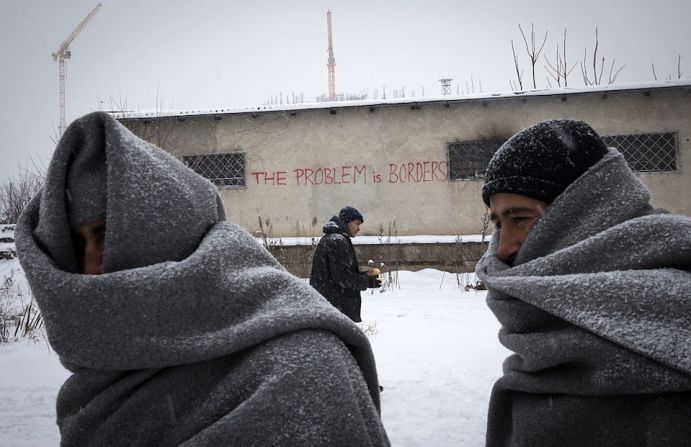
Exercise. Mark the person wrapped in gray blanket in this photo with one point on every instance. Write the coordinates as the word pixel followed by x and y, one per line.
pixel 178 327
pixel 592 287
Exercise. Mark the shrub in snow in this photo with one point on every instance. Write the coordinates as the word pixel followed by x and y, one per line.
pixel 18 320
pixel 368 328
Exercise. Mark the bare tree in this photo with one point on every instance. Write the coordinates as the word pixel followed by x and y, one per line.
pixel 15 194
pixel 596 77
pixel 532 50
pixel 679 67
pixel 559 70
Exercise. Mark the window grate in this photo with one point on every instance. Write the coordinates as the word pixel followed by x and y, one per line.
pixel 647 152
pixel 469 159
pixel 223 170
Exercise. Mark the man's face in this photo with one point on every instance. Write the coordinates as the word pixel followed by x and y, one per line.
pixel 354 227
pixel 515 215
pixel 89 242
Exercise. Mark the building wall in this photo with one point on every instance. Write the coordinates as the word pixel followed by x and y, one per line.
pixel 390 160
pixel 460 257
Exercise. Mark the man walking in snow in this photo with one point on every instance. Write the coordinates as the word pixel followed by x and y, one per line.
pixel 178 327
pixel 335 270
pixel 591 286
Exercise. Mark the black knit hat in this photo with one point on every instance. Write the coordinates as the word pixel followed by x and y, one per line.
pixel 348 214
pixel 543 160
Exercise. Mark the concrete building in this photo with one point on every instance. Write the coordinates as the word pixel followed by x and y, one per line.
pixel 411 166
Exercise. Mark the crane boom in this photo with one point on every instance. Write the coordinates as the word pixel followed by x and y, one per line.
pixel 61 55
pixel 76 31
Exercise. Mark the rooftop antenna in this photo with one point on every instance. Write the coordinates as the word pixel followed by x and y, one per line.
pixel 65 53
pixel 331 64
pixel 446 86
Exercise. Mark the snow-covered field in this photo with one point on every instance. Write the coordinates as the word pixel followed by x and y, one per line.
pixel 437 355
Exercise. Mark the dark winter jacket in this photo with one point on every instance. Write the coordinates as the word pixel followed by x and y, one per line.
pixel 194 335
pixel 335 272
pixel 597 311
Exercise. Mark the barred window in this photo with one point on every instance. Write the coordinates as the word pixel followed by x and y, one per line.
pixel 647 152
pixel 469 159
pixel 224 170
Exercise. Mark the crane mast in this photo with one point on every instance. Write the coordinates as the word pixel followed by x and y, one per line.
pixel 331 64
pixel 63 53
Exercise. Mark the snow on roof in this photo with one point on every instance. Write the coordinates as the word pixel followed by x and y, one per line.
pixel 395 101
pixel 374 240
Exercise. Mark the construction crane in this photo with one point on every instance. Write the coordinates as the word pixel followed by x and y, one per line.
pixel 331 62
pixel 64 53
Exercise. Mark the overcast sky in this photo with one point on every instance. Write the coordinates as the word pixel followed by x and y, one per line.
pixel 182 54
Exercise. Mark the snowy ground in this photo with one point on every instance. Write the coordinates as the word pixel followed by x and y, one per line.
pixel 437 355
pixel 31 376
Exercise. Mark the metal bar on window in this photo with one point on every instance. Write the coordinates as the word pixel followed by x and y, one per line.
pixel 647 152
pixel 224 170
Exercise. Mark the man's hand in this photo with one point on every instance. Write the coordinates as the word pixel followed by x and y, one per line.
pixel 373 282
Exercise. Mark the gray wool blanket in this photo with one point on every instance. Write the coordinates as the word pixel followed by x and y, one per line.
pixel 194 335
pixel 597 310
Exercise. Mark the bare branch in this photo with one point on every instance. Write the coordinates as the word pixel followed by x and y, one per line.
pixel 544 41
pixel 519 72
pixel 568 72
pixel 597 43
pixel 584 69
pixel 612 74
pixel 533 52
pixel 552 71
pixel 654 74
pixel 602 68
pixel 527 49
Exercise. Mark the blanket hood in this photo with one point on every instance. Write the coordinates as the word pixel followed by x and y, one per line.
pixel 604 261
pixel 157 209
